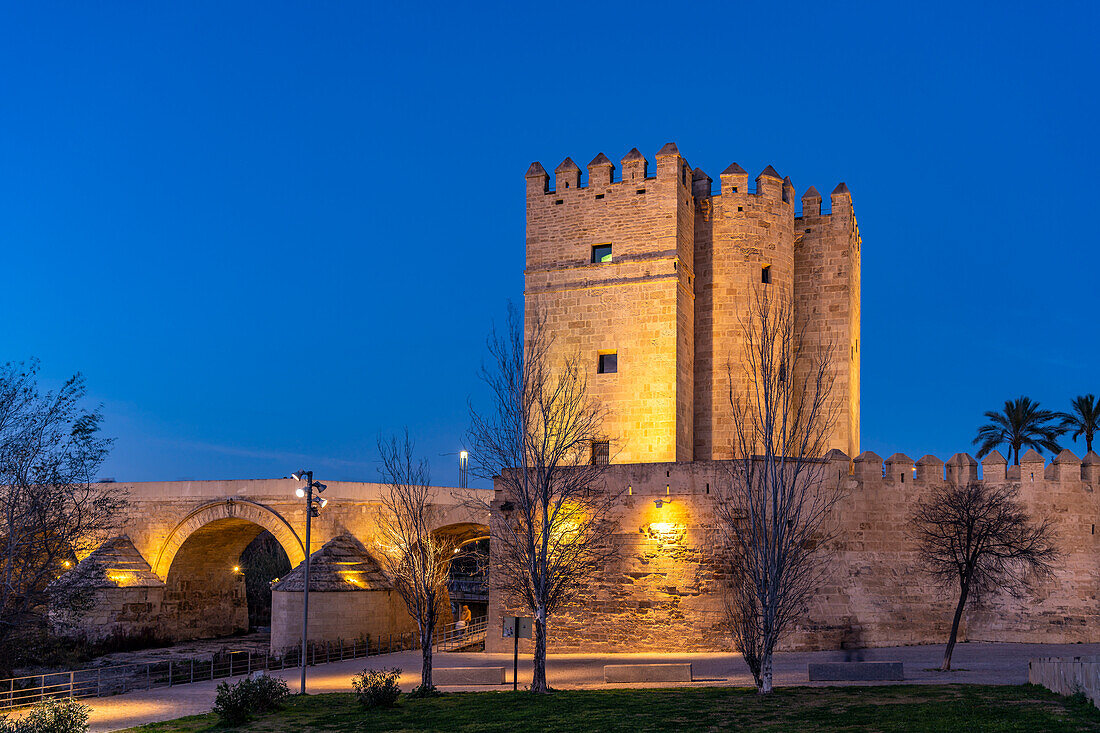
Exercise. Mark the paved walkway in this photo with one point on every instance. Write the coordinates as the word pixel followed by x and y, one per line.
pixel 998 664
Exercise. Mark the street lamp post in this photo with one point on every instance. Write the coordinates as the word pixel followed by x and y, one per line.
pixel 463 468
pixel 313 507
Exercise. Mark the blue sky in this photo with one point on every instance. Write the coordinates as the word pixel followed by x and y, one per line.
pixel 267 232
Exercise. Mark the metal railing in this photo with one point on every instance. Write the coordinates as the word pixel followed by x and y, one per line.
pixel 115 680
pixel 452 637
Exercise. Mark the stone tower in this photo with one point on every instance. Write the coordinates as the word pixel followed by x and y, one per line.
pixel 647 274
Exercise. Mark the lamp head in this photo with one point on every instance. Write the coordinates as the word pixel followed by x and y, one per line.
pixel 300 475
pixel 300 493
pixel 319 486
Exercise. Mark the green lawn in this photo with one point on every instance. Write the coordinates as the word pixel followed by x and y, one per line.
pixel 802 709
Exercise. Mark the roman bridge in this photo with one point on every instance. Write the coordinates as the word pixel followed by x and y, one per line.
pixel 174 572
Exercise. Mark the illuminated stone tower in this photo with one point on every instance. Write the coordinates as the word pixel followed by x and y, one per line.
pixel 646 275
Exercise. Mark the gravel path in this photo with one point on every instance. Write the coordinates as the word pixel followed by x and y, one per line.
pixel 999 664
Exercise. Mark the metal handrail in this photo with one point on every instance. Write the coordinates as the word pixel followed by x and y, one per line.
pixel 117 679
pixel 452 636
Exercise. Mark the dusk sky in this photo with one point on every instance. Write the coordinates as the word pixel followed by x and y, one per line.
pixel 269 232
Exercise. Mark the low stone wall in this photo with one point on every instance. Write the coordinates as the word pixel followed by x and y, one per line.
pixel 1067 675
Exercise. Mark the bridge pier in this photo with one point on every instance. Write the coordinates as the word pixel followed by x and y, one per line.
pixel 349 598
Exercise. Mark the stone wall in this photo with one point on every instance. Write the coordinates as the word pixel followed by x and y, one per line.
pixel 685 265
pixel 663 593
pixel 337 615
pixel 1067 675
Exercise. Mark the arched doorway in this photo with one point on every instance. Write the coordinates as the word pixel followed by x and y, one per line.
pixel 467 582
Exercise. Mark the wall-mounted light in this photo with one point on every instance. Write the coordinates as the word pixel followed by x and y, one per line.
pixel 237 569
pixel 661 502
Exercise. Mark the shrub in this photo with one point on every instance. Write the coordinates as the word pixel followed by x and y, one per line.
pixel 259 693
pixel 50 716
pixel 377 688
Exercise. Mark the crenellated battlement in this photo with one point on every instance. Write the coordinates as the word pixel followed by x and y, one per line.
pixel 1064 468
pixel 603 179
pixel 669 167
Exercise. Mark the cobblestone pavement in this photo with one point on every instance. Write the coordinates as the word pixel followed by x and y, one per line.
pixel 977 663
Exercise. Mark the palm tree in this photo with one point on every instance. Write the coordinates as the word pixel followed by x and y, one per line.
pixel 1021 425
pixel 1084 420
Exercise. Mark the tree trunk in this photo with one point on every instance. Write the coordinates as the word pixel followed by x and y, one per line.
pixel 426 669
pixel 946 666
pixel 538 677
pixel 765 685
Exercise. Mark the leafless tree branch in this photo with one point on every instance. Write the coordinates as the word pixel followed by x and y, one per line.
pixel 979 539
pixel 51 511
pixel 551 529
pixel 415 558
pixel 774 511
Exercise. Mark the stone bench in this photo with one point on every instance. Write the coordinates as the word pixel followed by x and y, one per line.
pixel 468 675
pixel 855 671
pixel 647 673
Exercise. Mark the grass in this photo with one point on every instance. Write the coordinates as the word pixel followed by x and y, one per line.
pixel 936 708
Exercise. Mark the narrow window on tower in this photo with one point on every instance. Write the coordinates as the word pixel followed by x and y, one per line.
pixel 601 253
pixel 766 274
pixel 608 363
pixel 601 453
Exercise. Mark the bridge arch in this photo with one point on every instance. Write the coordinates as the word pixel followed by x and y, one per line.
pixel 229 509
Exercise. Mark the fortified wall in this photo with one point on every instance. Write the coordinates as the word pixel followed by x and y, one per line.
pixel 664 591
pixel 647 274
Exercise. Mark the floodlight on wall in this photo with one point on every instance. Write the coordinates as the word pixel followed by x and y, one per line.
pixel 661 502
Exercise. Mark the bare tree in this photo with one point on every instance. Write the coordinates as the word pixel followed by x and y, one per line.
pixel 980 539
pixel 414 558
pixel 51 512
pixel 773 511
pixel 552 531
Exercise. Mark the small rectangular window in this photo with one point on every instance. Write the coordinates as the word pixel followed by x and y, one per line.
pixel 601 253
pixel 734 189
pixel 766 274
pixel 608 363
pixel 601 452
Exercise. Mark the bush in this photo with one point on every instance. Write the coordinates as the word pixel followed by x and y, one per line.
pixel 50 716
pixel 377 688
pixel 259 693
